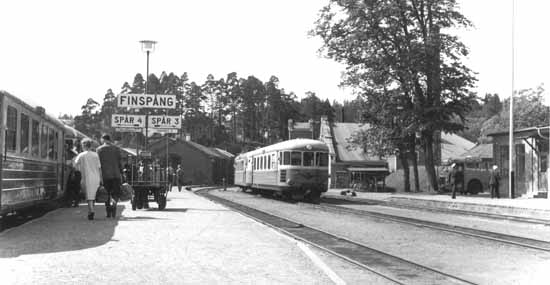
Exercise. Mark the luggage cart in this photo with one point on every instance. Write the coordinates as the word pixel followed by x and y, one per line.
pixel 149 182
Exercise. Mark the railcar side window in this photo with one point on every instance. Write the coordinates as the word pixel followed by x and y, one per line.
pixel 25 128
pixel 308 158
pixel 11 130
pixel 286 158
pixel 51 144
pixel 35 137
pixel 268 162
pixel 55 150
pixel 44 142
pixel 296 158
pixel 321 159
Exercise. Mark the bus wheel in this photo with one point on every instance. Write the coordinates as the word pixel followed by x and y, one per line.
pixel 475 187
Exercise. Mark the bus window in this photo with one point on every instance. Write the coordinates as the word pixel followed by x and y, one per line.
pixel 296 158
pixel 321 159
pixel 44 142
pixel 286 158
pixel 308 158
pixel 24 144
pixel 11 129
pixel 35 137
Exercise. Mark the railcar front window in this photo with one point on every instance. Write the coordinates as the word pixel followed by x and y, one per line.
pixel 296 158
pixel 35 137
pixel 321 159
pixel 25 133
pixel 286 158
pixel 11 131
pixel 309 158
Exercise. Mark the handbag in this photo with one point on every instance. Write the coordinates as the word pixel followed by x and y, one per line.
pixel 126 192
pixel 101 195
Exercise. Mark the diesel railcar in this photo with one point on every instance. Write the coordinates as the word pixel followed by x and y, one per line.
pixel 295 169
pixel 33 166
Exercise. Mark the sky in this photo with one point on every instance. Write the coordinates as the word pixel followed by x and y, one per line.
pixel 59 53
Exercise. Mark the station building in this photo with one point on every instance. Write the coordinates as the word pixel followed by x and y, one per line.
pixel 530 161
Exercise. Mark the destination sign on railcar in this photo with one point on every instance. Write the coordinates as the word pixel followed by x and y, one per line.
pixel 146 101
pixel 127 121
pixel 164 122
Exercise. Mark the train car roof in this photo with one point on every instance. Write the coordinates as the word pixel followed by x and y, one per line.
pixel 29 104
pixel 297 144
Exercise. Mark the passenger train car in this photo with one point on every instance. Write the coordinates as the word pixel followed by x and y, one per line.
pixel 294 169
pixel 33 144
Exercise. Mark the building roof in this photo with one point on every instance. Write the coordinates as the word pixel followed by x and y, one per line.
pixel 525 131
pixel 453 146
pixel 224 152
pixel 345 151
pixel 209 151
pixel 482 151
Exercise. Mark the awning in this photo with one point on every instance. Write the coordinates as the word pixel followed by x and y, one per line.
pixel 367 169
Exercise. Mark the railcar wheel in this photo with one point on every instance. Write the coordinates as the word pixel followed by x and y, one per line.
pixel 475 187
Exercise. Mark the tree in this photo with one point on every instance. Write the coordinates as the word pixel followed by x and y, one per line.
pixel 401 49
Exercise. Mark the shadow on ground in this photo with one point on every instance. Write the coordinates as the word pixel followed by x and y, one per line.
pixel 66 229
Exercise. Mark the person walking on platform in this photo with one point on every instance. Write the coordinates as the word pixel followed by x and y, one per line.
pixel 494 182
pixel 111 167
pixel 87 162
pixel 179 177
pixel 456 179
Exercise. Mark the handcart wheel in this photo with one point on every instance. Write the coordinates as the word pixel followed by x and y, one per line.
pixel 162 202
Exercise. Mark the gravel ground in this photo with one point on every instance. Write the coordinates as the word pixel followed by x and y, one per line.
pixel 509 227
pixel 477 260
pixel 193 241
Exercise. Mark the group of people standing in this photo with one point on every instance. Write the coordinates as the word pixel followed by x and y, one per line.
pixel 101 167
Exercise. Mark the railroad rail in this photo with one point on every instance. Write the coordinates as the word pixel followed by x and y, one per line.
pixel 488 235
pixel 388 266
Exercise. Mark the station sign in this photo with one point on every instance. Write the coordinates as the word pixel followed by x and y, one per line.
pixel 164 122
pixel 127 121
pixel 146 101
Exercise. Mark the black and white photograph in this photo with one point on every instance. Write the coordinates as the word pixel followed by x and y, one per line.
pixel 274 142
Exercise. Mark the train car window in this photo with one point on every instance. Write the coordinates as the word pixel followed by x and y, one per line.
pixel 296 158
pixel 35 137
pixel 286 158
pixel 309 158
pixel 51 145
pixel 265 162
pixel 44 142
pixel 321 159
pixel 11 128
pixel 25 134
pixel 268 162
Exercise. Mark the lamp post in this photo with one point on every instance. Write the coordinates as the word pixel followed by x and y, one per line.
pixel 148 47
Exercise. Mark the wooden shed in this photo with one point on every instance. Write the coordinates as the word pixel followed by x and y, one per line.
pixel 201 165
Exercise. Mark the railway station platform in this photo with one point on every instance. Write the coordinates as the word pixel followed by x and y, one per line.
pixel 521 208
pixel 192 241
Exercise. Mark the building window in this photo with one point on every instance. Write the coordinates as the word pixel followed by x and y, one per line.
pixel 520 160
pixel 543 162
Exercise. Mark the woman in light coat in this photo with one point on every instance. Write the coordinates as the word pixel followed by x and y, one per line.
pixel 87 162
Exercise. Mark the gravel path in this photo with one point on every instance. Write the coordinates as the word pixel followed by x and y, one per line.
pixel 193 241
pixel 480 261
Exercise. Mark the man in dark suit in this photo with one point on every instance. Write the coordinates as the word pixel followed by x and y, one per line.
pixel 111 168
pixel 494 182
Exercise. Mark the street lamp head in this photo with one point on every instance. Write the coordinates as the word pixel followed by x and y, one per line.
pixel 148 46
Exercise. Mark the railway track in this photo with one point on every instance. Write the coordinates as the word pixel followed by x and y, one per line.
pixel 499 237
pixel 388 266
